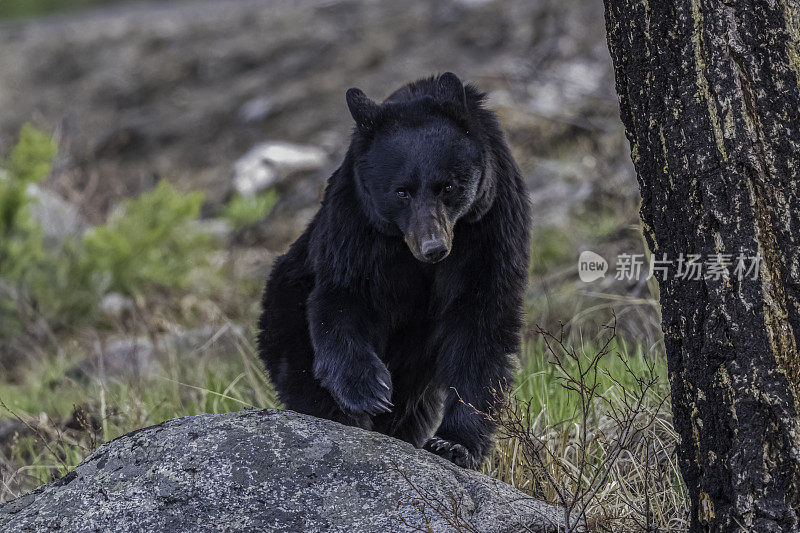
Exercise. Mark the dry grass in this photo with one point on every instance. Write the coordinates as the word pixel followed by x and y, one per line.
pixel 643 491
pixel 609 457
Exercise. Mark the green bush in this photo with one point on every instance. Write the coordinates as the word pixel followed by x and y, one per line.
pixel 22 254
pixel 243 211
pixel 20 239
pixel 31 159
pixel 151 242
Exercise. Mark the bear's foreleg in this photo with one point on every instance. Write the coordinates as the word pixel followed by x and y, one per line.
pixel 346 333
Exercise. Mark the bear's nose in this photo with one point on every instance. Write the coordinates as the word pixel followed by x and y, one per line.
pixel 434 250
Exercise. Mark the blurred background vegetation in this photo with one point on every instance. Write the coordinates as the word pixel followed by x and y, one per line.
pixel 155 157
pixel 31 8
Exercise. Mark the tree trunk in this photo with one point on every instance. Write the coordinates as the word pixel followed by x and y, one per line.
pixel 709 94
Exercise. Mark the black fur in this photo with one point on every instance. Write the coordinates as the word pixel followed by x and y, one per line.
pixel 400 305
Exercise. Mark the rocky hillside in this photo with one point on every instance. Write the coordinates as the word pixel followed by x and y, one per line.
pixel 182 90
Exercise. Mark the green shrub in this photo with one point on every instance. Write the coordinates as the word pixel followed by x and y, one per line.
pixel 22 253
pixel 32 158
pixel 151 242
pixel 20 239
pixel 37 283
pixel 244 211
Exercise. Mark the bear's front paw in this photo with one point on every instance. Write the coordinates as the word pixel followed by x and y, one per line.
pixel 363 388
pixel 452 451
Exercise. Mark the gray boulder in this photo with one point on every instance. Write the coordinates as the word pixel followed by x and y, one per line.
pixel 269 470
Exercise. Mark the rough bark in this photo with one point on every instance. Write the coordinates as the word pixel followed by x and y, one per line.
pixel 709 94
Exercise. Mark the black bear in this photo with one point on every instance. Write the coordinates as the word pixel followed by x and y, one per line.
pixel 399 307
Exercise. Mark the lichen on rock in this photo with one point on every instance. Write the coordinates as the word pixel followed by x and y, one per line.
pixel 267 470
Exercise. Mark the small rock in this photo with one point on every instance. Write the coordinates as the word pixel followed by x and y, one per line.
pixel 59 219
pixel 139 357
pixel 272 162
pixel 219 228
pixel 187 341
pixel 11 427
pixel 115 304
pixel 255 109
pixel 122 358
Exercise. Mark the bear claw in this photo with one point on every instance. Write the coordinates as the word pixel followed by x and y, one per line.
pixel 452 451
pixel 366 393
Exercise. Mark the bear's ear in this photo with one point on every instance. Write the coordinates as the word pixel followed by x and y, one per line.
pixel 450 89
pixel 363 109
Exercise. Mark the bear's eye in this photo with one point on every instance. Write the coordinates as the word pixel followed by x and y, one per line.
pixel 402 193
pixel 448 188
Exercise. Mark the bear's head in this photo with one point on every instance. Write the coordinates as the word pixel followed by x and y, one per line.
pixel 419 162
